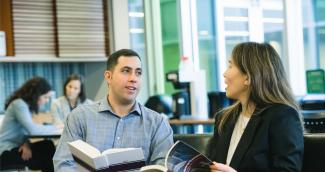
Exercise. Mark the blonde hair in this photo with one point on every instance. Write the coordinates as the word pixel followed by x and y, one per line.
pixel 268 80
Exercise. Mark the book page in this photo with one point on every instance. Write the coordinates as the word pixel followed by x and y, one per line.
pixel 87 154
pixel 116 150
pixel 154 168
pixel 84 148
pixel 183 157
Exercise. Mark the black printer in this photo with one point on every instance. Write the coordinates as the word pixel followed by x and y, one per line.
pixel 313 111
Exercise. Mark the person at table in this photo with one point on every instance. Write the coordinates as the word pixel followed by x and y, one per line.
pixel 74 95
pixel 117 120
pixel 262 130
pixel 15 149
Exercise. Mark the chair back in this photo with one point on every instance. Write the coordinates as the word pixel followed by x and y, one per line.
pixel 314 154
pixel 314 151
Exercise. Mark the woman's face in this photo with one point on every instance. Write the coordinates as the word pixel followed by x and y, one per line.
pixel 44 98
pixel 72 89
pixel 236 82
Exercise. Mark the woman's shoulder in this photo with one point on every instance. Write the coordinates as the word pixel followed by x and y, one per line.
pixel 87 101
pixel 278 110
pixel 18 103
pixel 278 107
pixel 58 99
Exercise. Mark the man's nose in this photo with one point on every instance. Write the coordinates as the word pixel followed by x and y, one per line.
pixel 133 77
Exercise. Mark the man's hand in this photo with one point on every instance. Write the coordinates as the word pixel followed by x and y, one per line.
pixel 218 167
pixel 26 152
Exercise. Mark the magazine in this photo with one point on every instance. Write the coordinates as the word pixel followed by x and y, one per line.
pixel 89 158
pixel 181 157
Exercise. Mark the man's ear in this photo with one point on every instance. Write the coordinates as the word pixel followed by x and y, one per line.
pixel 108 75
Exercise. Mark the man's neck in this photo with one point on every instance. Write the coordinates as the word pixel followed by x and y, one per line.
pixel 119 109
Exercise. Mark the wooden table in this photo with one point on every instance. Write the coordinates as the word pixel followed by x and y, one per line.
pixel 191 122
pixel 196 123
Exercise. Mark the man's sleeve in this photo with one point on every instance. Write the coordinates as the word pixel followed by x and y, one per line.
pixel 63 161
pixel 162 141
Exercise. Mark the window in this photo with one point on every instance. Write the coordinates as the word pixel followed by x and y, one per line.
pixel 314 33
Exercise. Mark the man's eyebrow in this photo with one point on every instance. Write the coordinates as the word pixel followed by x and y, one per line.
pixel 128 67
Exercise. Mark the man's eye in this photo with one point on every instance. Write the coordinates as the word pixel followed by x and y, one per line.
pixel 139 73
pixel 125 71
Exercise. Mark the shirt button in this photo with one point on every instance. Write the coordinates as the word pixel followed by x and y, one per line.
pixel 118 138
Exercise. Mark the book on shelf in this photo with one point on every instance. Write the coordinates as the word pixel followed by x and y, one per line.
pixel 181 157
pixel 89 158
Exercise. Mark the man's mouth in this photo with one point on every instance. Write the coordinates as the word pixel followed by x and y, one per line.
pixel 131 88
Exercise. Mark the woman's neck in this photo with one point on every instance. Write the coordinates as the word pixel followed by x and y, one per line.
pixel 247 108
pixel 72 102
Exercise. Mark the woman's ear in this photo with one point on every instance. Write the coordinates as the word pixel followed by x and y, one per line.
pixel 247 80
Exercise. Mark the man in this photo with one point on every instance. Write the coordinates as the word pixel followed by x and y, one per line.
pixel 118 120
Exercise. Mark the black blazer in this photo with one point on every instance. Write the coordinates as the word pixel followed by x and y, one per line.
pixel 272 141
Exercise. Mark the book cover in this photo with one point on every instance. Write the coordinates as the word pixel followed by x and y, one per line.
pixel 88 158
pixel 181 157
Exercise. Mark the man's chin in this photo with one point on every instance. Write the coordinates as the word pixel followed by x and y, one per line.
pixel 128 101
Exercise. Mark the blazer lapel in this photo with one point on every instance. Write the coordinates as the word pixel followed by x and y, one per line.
pixel 245 141
pixel 224 141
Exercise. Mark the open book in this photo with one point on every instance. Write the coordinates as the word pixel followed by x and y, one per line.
pixel 181 157
pixel 89 158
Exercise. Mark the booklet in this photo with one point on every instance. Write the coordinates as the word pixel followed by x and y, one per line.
pixel 181 157
pixel 89 158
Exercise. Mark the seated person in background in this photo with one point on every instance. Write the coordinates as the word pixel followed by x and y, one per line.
pixel 15 148
pixel 262 131
pixel 118 120
pixel 74 95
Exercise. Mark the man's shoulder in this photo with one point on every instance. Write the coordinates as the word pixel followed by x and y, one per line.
pixel 151 114
pixel 89 108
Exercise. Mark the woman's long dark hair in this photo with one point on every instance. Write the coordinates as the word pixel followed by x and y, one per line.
pixel 82 94
pixel 30 92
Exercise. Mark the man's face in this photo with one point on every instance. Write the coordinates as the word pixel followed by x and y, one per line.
pixel 124 80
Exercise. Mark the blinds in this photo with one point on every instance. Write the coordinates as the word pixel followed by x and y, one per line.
pixel 74 28
pixel 80 25
pixel 33 27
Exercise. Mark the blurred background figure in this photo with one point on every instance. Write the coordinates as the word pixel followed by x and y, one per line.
pixel 15 148
pixel 74 95
pixel 161 104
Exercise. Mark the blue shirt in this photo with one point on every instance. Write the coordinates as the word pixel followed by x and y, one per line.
pixel 60 108
pixel 97 125
pixel 18 123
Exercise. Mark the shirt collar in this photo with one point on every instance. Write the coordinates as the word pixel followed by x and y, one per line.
pixel 105 106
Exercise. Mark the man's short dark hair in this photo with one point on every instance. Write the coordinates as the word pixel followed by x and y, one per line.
pixel 113 58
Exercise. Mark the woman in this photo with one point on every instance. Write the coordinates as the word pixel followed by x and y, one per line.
pixel 262 130
pixel 15 148
pixel 74 94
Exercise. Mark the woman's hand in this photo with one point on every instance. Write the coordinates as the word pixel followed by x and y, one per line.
pixel 59 125
pixel 26 152
pixel 218 167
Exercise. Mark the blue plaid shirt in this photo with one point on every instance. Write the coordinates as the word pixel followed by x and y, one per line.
pixel 97 124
